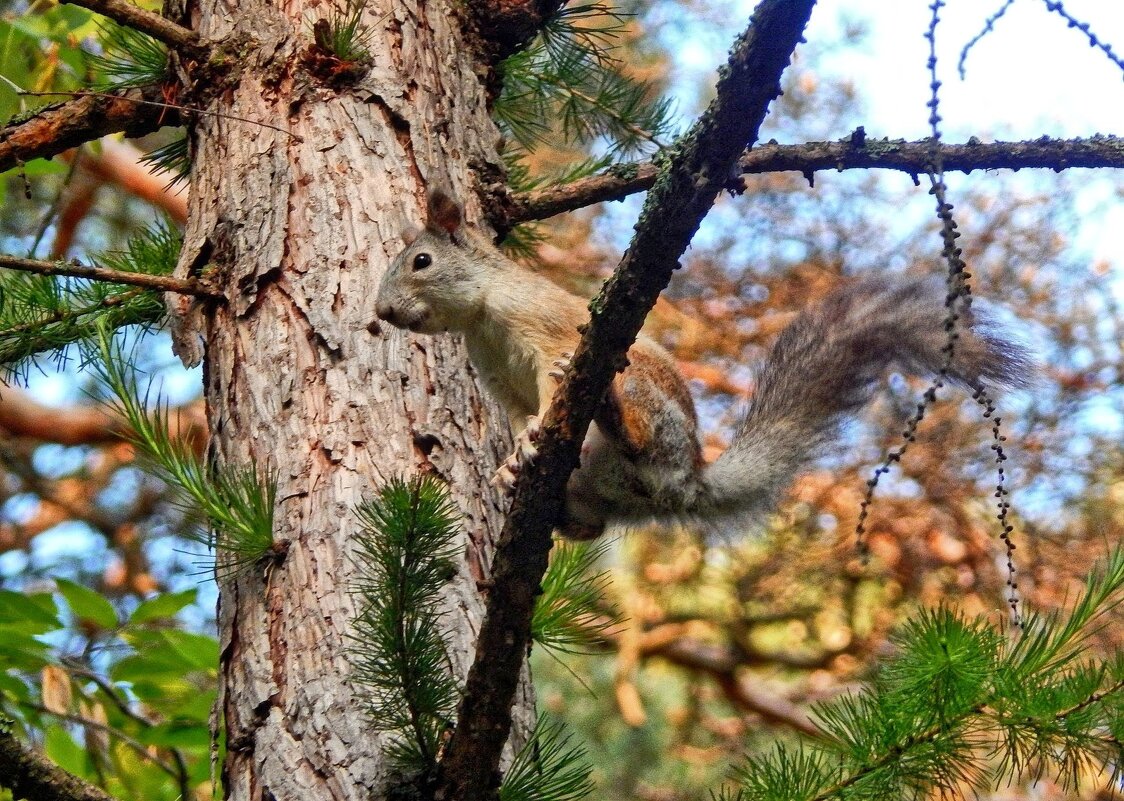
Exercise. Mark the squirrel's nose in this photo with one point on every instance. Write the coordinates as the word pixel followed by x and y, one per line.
pixel 385 311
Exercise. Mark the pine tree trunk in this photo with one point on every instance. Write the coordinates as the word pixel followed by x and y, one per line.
pixel 300 233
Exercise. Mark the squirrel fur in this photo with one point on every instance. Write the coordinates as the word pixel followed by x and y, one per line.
pixel 641 459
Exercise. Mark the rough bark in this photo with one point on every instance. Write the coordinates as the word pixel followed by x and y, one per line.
pixel 299 231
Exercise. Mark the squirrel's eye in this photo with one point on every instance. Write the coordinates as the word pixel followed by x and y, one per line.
pixel 422 260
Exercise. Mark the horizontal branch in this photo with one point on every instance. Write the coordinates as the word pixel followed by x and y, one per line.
pixel 158 27
pixel 31 775
pixel 48 131
pixel 723 665
pixel 160 283
pixel 856 152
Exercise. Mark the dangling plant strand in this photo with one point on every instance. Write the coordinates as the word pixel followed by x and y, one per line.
pixel 569 615
pixel 44 313
pixel 548 768
pixel 238 502
pixel 405 547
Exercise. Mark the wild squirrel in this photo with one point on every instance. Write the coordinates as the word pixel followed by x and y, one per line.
pixel 641 460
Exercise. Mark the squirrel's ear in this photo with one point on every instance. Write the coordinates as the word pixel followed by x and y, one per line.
pixel 444 212
pixel 411 234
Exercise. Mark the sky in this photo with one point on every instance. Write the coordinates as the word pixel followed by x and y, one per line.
pixel 1030 76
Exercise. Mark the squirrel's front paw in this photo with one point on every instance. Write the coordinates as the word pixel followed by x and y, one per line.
pixel 560 365
pixel 524 453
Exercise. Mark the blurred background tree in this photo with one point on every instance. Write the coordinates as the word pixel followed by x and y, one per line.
pixel 722 643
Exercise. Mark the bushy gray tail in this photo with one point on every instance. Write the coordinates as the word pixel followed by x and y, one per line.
pixel 825 365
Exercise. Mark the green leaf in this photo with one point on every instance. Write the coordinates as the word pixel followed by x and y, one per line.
pixel 177 734
pixel 38 612
pixel 65 752
pixel 198 651
pixel 162 606
pixel 87 605
pixel 166 653
pixel 12 687
pixel 21 651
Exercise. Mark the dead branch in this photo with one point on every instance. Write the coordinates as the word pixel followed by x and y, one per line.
pixel 159 283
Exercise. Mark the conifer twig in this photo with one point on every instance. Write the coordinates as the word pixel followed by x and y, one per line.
pixel 160 283
pixel 697 169
pixel 158 27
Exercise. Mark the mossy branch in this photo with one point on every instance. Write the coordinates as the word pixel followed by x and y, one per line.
pixel 697 168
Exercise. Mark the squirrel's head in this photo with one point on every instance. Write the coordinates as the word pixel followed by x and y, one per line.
pixel 435 284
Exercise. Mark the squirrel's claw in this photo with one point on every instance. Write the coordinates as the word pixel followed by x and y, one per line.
pixel 524 453
pixel 560 365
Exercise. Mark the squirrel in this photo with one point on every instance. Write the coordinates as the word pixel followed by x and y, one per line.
pixel 641 460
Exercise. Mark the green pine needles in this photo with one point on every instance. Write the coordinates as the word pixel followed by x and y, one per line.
pixel 46 313
pixel 238 502
pixel 569 79
pixel 548 768
pixel 129 59
pixel 173 158
pixel 342 32
pixel 570 616
pixel 963 707
pixel 406 548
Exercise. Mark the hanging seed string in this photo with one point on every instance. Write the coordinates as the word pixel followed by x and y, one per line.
pixel 958 294
pixel 1073 22
pixel 989 26
pixel 958 302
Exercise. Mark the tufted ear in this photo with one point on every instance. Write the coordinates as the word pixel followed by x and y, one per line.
pixel 411 234
pixel 445 214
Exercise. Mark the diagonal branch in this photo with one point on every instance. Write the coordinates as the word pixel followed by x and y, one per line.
pixel 31 775
pixel 160 283
pixel 50 130
pixel 698 166
pixel 855 152
pixel 160 28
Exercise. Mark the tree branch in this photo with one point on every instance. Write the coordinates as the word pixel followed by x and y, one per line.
pixel 160 283
pixel 698 167
pixel 160 28
pixel 722 665
pixel 852 153
pixel 30 775
pixel 52 129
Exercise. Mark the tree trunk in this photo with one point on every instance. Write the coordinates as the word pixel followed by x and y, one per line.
pixel 300 233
